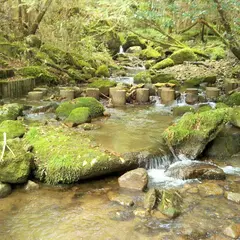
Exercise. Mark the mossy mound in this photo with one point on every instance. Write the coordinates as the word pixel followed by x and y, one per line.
pixel 133 40
pixel 235 118
pixel 15 168
pixel 233 99
pixel 192 132
pixel 102 71
pixel 195 82
pixel 180 110
pixel 216 53
pixel 204 108
pixel 221 105
pixel 10 111
pixel 162 77
pixel 41 74
pixel 168 62
pixel 182 55
pixel 142 77
pixel 102 83
pixel 96 109
pixel 65 156
pixel 33 41
pixel 78 116
pixel 149 53
pixel 12 129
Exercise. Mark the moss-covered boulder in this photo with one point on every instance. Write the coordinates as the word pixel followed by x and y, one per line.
pixel 15 165
pixel 95 107
pixel 33 41
pixel 10 111
pixel 162 77
pixel 216 53
pixel 233 99
pixel 78 116
pixel 170 204
pixel 67 156
pixel 142 77
pixel 168 62
pixel 221 105
pixel 133 40
pixel 149 53
pixel 191 134
pixel 204 108
pixel 41 74
pixel 5 189
pixel 196 81
pixel 235 118
pixel 102 71
pixel 180 110
pixel 12 129
pixel 103 85
pixel 182 55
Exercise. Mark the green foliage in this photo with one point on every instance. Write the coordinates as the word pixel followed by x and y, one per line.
pixel 100 83
pixel 204 108
pixel 233 99
pixel 142 77
pixel 102 71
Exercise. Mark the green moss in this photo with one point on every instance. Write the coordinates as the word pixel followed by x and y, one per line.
pixel 11 49
pixel 12 128
pixel 221 105
pixel 162 77
pixel 182 55
pixel 78 76
pixel 65 156
pixel 57 55
pixel 78 116
pixel 216 53
pixel 10 111
pixel 235 118
pixel 195 82
pixel 95 107
pixel 142 77
pixel 180 110
pixel 149 53
pixel 102 71
pixel 233 99
pixel 133 40
pixel 204 108
pixel 100 83
pixel 199 124
pixel 176 82
pixel 168 62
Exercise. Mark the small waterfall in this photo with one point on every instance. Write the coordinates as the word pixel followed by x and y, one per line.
pixel 121 51
pixel 182 100
pixel 159 162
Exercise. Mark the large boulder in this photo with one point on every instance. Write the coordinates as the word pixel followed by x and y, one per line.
pixel 194 169
pixel 191 134
pixel 66 156
pixel 15 165
pixel 185 54
pixel 136 179
pixel 5 189
pixel 168 62
pixel 133 40
pixel 78 116
pixel 12 129
pixel 149 53
pixel 10 111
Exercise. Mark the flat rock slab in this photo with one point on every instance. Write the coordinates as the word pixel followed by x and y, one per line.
pixel 210 189
pixel 234 197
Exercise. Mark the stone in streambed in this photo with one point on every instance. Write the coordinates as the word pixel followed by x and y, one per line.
pixel 5 189
pixel 234 197
pixel 31 186
pixel 123 200
pixel 210 189
pixel 136 179
pixel 233 231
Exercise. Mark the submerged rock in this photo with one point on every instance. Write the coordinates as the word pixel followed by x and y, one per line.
pixel 15 165
pixel 30 186
pixel 122 199
pixel 235 197
pixel 191 134
pixel 194 169
pixel 136 179
pixel 5 189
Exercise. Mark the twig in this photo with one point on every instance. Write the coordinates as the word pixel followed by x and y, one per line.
pixel 4 146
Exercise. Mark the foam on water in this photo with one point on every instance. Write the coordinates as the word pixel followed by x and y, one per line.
pixel 231 170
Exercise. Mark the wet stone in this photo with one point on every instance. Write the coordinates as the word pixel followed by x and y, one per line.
pixel 232 231
pixel 142 213
pixel 210 189
pixel 150 199
pixel 234 197
pixel 123 200
pixel 31 186
pixel 5 189
pixel 121 215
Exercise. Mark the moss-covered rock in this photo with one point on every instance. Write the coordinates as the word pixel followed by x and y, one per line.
pixel 235 118
pixel 221 105
pixel 12 129
pixel 196 81
pixel 168 62
pixel 102 71
pixel 182 55
pixel 41 74
pixel 149 53
pixel 162 77
pixel 95 107
pixel 204 108
pixel 233 99
pixel 180 110
pixel 33 41
pixel 78 116
pixel 190 135
pixel 5 189
pixel 10 111
pixel 170 204
pixel 133 40
pixel 65 156
pixel 103 85
pixel 15 165
pixel 142 77
pixel 216 53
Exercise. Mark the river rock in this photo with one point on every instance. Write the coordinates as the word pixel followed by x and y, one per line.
pixel 170 204
pixel 191 134
pixel 5 189
pixel 30 186
pixel 233 231
pixel 142 213
pixel 235 197
pixel 136 179
pixel 122 199
pixel 10 111
pixel 210 189
pixel 121 215
pixel 194 169
pixel 15 165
